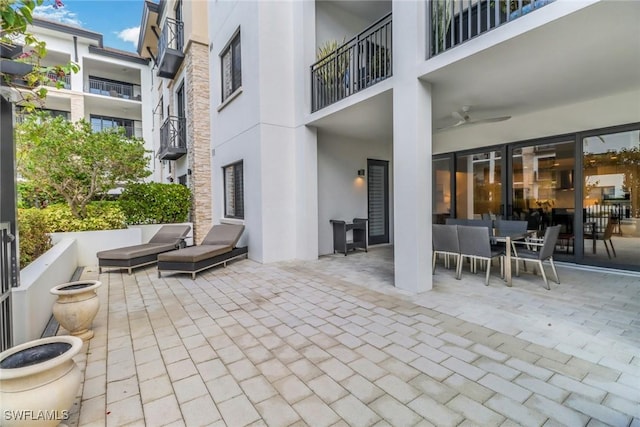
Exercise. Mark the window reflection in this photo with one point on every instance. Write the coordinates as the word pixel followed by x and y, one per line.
pixel 543 188
pixel 478 185
pixel 442 190
pixel 612 196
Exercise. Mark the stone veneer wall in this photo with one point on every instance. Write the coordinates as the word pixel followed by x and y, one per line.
pixel 77 107
pixel 199 137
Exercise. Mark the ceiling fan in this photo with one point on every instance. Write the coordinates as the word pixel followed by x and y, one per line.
pixel 464 119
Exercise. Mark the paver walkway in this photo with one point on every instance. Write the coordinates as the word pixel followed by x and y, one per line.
pixel 332 342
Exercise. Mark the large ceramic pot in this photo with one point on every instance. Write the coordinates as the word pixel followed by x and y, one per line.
pixel 39 381
pixel 77 306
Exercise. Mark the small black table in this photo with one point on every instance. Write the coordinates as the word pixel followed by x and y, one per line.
pixel 359 229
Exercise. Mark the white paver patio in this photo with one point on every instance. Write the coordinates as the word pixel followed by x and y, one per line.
pixel 332 342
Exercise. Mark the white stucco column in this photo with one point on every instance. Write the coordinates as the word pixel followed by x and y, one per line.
pixel 412 148
pixel 306 193
pixel 306 139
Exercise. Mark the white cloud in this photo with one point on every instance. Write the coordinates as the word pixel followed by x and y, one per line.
pixel 129 35
pixel 60 14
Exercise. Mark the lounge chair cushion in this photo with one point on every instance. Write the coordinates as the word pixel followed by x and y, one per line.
pixel 170 234
pixel 136 251
pixel 194 254
pixel 224 234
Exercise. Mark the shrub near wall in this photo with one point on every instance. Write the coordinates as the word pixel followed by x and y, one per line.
pixel 100 216
pixel 34 240
pixel 34 225
pixel 155 203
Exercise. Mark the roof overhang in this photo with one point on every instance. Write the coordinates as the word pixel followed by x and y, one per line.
pixel 148 38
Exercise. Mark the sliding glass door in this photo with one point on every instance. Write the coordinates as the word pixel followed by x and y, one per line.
pixel 479 185
pixel 611 199
pixel 588 183
pixel 542 189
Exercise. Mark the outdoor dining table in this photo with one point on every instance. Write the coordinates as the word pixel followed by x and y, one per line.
pixel 507 239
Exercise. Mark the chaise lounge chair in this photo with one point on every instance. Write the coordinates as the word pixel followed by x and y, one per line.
pixel 167 238
pixel 218 247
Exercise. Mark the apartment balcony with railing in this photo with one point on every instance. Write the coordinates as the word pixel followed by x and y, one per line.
pixel 55 78
pixel 113 89
pixel 170 48
pixel 173 138
pixel 454 22
pixel 361 62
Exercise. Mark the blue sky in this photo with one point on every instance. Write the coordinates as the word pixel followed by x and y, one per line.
pixel 117 20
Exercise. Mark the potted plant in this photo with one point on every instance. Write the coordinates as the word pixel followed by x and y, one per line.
pixel 77 306
pixel 331 68
pixel 39 381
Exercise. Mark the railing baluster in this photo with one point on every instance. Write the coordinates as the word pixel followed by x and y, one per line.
pixel 468 19
pixel 452 22
pixel 478 10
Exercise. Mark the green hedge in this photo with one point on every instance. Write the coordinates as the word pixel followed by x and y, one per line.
pixel 100 216
pixel 35 224
pixel 34 240
pixel 155 203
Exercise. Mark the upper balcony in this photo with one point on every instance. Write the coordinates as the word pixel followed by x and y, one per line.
pixel 173 138
pixel 54 79
pixel 356 65
pixel 115 89
pixel 454 22
pixel 170 45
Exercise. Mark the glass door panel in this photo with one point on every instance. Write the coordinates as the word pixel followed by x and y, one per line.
pixel 442 190
pixel 612 199
pixel 543 191
pixel 479 185
pixel 378 201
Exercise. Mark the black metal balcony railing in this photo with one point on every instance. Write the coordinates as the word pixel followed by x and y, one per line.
pixel 455 21
pixel 6 267
pixel 114 89
pixel 356 65
pixel 54 78
pixel 170 45
pixel 173 138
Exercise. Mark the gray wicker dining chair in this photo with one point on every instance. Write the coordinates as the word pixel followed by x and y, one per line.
pixel 445 242
pixel 475 244
pixel 540 252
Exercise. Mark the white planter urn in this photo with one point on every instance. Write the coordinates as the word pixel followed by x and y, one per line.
pixel 77 306
pixel 39 381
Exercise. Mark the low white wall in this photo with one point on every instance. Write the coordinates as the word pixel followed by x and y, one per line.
pixel 31 301
pixel 91 242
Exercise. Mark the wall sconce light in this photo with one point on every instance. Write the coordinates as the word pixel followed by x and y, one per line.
pixel 188 171
pixel 360 172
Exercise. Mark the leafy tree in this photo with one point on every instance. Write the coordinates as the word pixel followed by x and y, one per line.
pixel 67 159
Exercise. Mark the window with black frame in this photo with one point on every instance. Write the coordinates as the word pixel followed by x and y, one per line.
pixel 231 67
pixel 98 123
pixel 234 190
